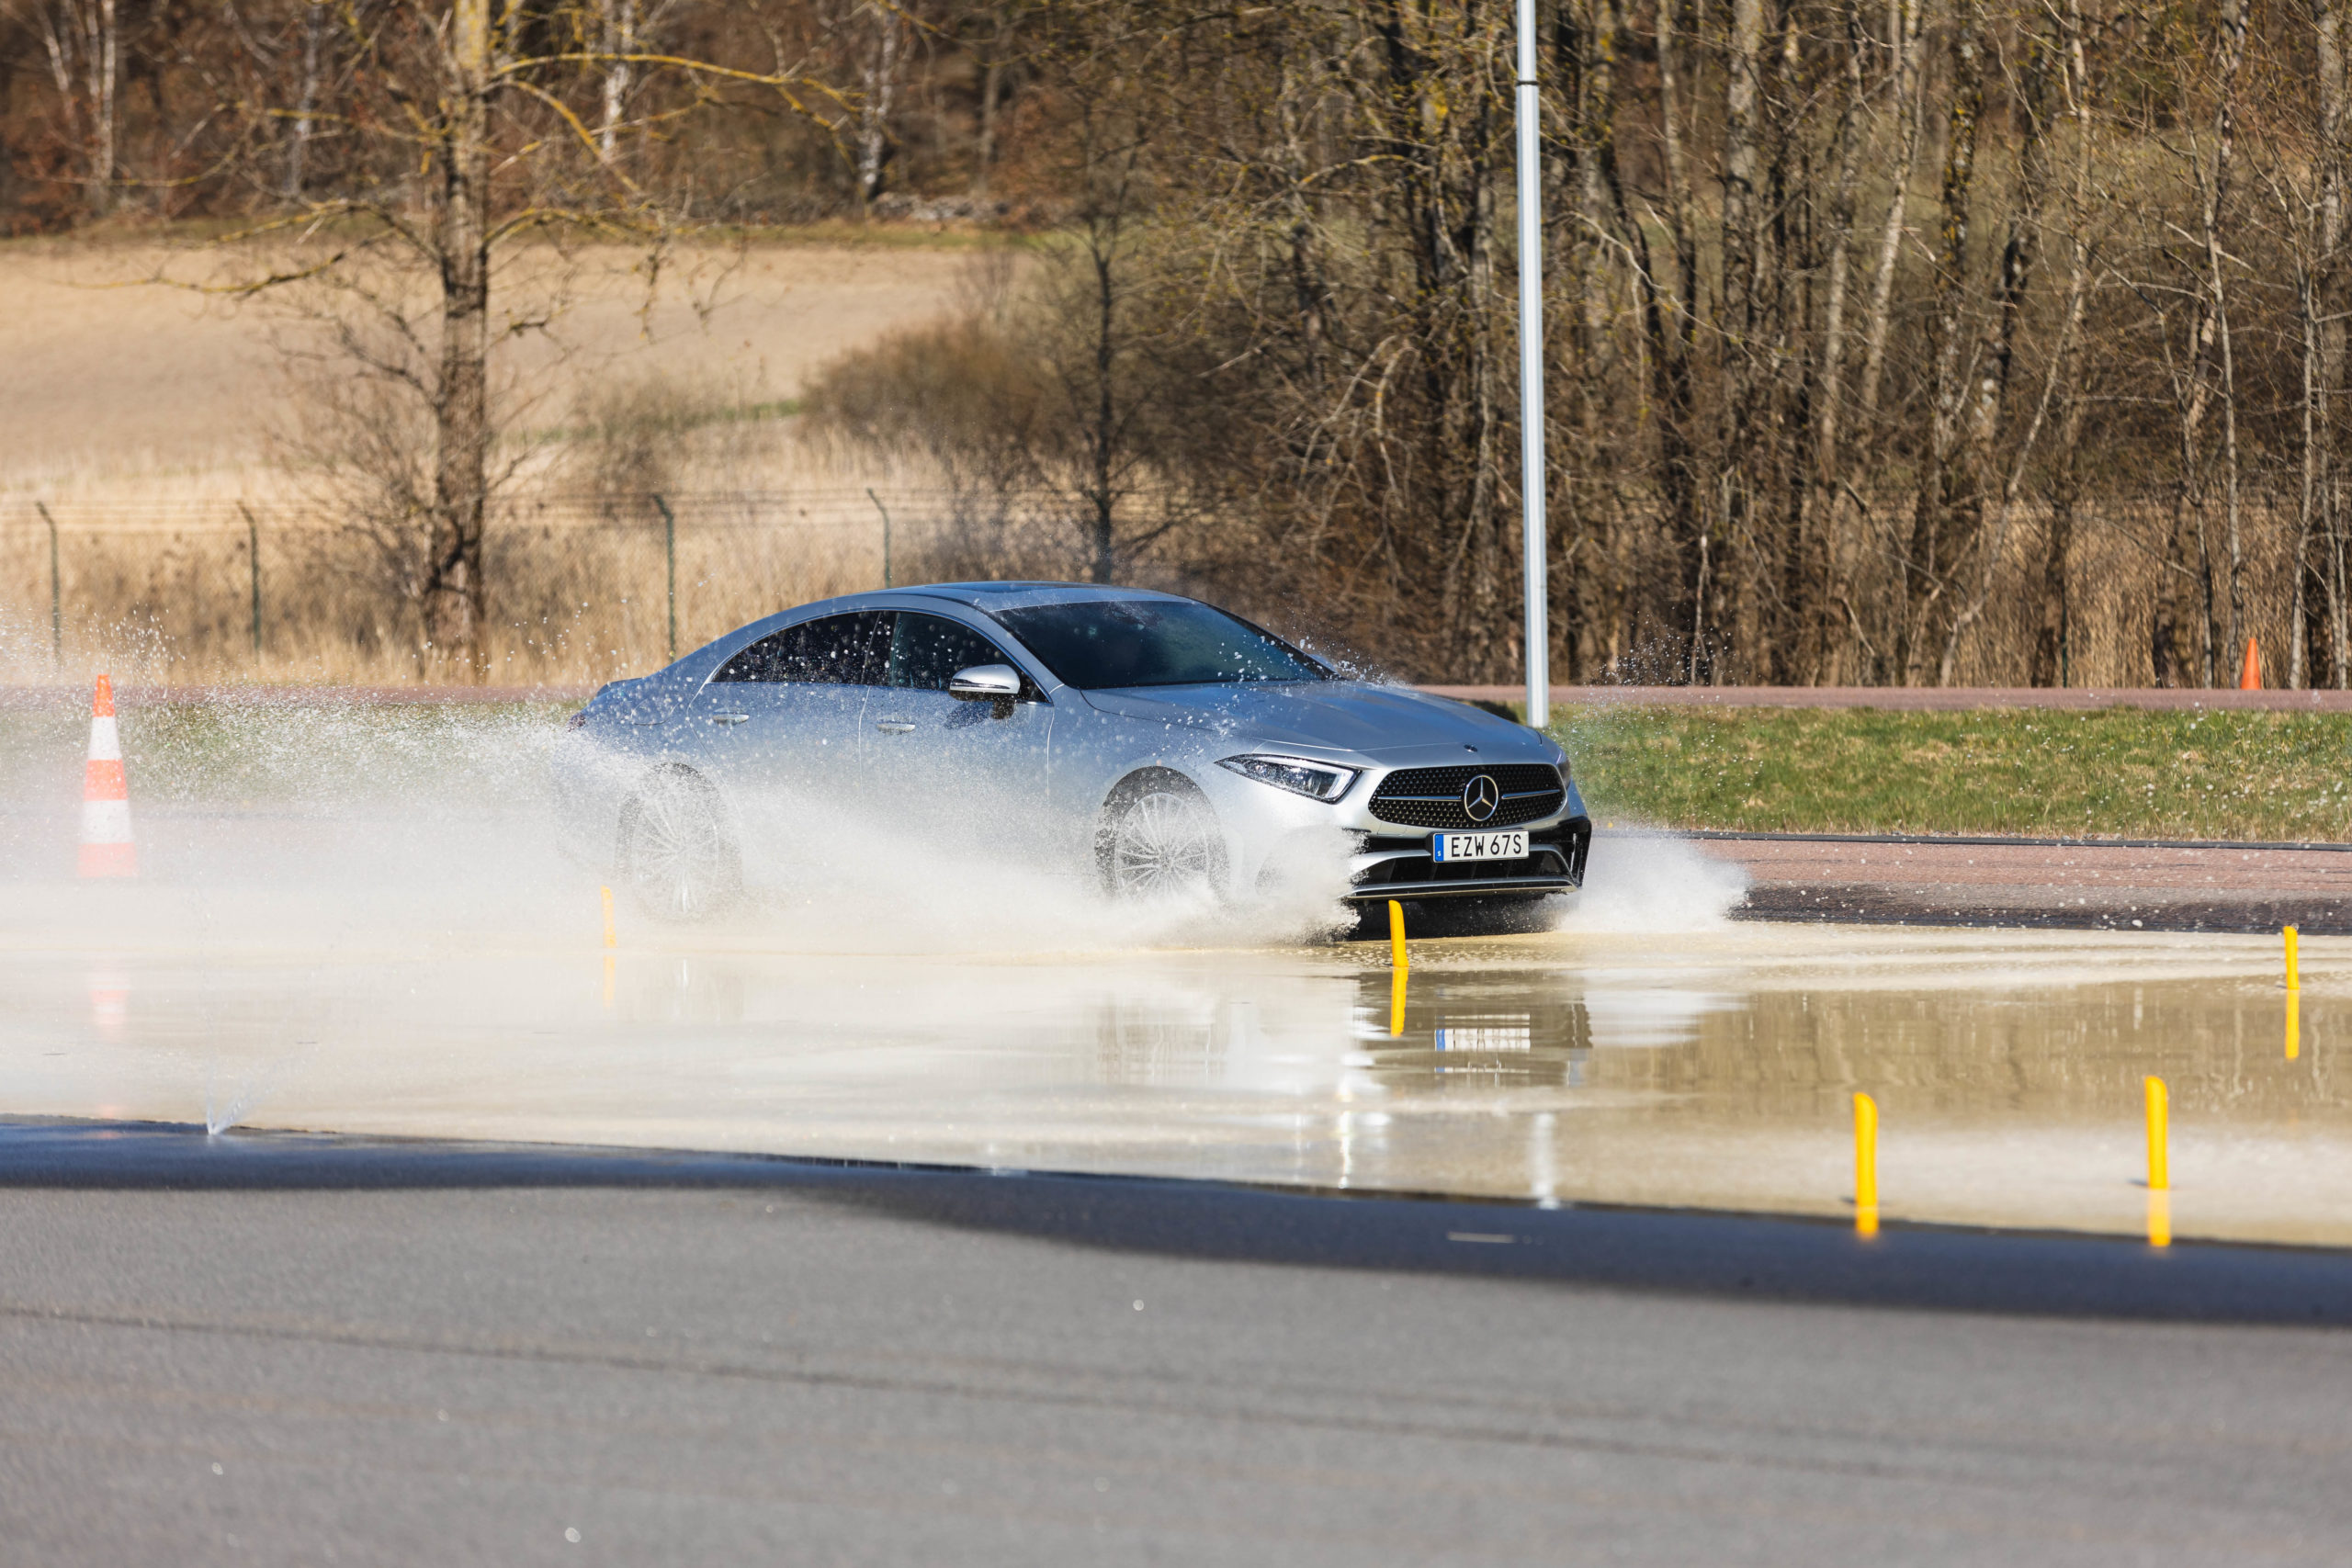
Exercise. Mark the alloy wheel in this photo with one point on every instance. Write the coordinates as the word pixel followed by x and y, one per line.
pixel 679 859
pixel 1164 847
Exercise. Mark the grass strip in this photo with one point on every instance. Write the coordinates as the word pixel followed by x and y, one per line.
pixel 2115 773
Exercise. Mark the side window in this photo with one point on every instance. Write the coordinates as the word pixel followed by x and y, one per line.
pixel 927 649
pixel 838 651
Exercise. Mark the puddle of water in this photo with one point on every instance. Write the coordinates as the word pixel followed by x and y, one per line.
pixel 358 920
pixel 1707 1068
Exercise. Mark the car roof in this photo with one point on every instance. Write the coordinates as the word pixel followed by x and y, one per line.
pixel 993 596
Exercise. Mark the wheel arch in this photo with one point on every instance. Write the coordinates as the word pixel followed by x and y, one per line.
pixel 672 770
pixel 1142 779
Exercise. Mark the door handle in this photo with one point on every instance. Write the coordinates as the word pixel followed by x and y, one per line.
pixel 895 727
pixel 728 717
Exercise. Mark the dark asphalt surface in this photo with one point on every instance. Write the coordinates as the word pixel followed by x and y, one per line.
pixel 882 1368
pixel 2084 884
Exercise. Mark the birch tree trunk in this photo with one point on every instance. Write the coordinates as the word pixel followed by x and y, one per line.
pixel 2307 505
pixel 2232 29
pixel 620 22
pixel 993 72
pixel 2206 370
pixel 2324 383
pixel 881 78
pixel 1674 349
pixel 314 27
pixel 1905 19
pixel 2056 605
pixel 83 48
pixel 1738 324
pixel 1839 250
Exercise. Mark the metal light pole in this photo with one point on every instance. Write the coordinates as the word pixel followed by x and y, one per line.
pixel 252 571
pixel 1531 375
pixel 56 596
pixel 670 553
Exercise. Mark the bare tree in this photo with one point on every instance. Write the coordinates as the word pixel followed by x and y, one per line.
pixel 878 71
pixel 1945 475
pixel 81 42
pixel 2053 624
pixel 469 133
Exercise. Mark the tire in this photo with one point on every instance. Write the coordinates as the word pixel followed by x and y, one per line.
pixel 676 859
pixel 1160 842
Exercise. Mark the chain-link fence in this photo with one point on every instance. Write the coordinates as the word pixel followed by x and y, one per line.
pixel 582 589
pixel 577 587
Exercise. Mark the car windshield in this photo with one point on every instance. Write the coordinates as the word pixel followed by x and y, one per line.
pixel 1153 642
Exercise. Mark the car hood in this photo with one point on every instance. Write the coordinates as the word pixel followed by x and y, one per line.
pixel 1348 716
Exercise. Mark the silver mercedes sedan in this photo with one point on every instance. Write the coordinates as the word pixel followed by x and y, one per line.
pixel 1153 745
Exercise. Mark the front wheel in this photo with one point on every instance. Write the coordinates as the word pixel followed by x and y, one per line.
pixel 676 859
pixel 1158 843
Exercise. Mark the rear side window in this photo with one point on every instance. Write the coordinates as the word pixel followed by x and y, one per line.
pixel 927 649
pixel 835 650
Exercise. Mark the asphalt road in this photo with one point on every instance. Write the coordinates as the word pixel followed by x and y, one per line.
pixel 453 1374
pixel 2018 881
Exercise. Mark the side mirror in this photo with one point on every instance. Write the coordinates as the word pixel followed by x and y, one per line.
pixel 986 684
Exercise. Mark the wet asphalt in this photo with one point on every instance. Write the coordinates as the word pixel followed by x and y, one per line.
pixel 431 1356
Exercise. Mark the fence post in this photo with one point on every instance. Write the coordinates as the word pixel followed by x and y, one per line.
pixel 252 563
pixel 669 551
pixel 885 533
pixel 56 617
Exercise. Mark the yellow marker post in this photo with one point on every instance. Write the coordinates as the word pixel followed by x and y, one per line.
pixel 1397 957
pixel 1865 1166
pixel 2294 978
pixel 2159 1219
pixel 2294 1025
pixel 2159 1162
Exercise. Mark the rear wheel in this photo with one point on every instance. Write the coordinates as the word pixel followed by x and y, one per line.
pixel 676 859
pixel 1160 842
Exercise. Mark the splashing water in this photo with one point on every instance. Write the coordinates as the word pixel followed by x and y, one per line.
pixel 305 820
pixel 1649 881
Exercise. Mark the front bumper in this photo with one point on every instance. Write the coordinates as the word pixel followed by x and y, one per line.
pixel 1401 868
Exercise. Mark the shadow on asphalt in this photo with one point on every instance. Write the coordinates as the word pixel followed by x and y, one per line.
pixel 1715 1253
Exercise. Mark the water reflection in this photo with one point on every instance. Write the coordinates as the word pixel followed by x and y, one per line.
pixel 1715 1071
pixel 1469 1028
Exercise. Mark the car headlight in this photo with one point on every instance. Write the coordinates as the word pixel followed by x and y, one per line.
pixel 1316 780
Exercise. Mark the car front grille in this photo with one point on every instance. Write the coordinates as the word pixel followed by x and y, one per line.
pixel 1432 797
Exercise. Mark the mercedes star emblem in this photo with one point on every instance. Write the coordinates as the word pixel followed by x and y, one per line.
pixel 1479 798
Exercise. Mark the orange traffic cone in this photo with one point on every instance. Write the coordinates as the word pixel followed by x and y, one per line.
pixel 106 849
pixel 2250 677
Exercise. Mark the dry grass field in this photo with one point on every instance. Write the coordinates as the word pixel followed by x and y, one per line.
pixel 121 390
pixel 150 423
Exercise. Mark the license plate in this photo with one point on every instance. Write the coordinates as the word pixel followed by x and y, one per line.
pixel 1478 846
